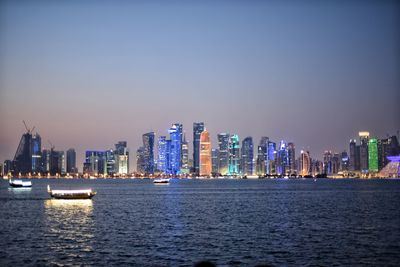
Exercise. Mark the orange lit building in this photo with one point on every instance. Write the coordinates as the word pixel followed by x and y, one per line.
pixel 205 154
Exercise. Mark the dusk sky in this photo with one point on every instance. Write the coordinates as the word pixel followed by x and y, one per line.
pixel 89 75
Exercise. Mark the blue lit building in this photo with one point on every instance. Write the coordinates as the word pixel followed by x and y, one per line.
pixel 162 154
pixel 271 157
pixel 174 159
pixel 36 153
pixel 282 159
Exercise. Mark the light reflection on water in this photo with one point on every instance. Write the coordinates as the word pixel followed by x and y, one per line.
pixel 69 225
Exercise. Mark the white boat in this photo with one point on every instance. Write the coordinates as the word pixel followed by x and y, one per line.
pixel 19 183
pixel 71 194
pixel 161 181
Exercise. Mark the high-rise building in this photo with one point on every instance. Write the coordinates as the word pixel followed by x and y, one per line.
pixel 8 168
pixel 262 161
pixel 148 152
pixel 71 161
pixel 291 158
pixel 121 158
pixel 247 156
pixel 141 161
pixel 57 162
pixel 205 154
pixel 328 168
pixel 271 158
pixel 282 159
pixel 22 162
pixel 175 133
pixel 234 155
pixel 36 154
pixel 215 161
pixel 373 155
pixel 223 145
pixel 305 163
pixel 336 163
pixel 162 154
pixel 110 162
pixel 364 138
pixel 344 164
pixel 95 163
pixel 46 161
pixel 387 147
pixel 185 169
pixel 354 160
pixel 198 128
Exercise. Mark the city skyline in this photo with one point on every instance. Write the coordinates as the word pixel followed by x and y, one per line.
pixel 291 72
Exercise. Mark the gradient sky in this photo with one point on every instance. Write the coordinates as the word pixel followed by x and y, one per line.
pixel 88 75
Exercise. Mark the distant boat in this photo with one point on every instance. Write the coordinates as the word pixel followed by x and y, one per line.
pixel 71 194
pixel 19 183
pixel 161 181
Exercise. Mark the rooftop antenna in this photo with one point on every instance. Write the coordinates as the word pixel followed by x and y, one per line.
pixel 51 145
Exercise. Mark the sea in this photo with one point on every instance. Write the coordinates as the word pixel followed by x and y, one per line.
pixel 227 222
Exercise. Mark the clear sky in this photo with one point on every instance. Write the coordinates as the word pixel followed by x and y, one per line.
pixel 88 75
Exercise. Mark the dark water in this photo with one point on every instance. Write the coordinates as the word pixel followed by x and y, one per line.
pixel 228 222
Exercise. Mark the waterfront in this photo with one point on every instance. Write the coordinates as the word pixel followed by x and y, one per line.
pixel 228 222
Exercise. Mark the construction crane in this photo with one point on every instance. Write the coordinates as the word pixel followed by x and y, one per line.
pixel 27 129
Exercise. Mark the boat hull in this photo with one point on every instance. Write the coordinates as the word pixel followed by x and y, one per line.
pixel 73 196
pixel 19 183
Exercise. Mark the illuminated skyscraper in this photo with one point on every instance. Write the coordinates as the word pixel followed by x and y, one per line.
pixel 291 159
pixel 121 158
pixel 271 158
pixel 364 138
pixel 198 128
pixel 344 164
pixel 234 155
pixel 282 160
pixel 36 153
pixel 205 154
pixel 373 155
pixel 262 157
pixel 305 163
pixel 141 162
pixel 185 157
pixel 223 145
pixel 247 156
pixel 328 168
pixel 148 152
pixel 71 161
pixel 175 133
pixel 162 154
pixel 215 161
pixel 354 160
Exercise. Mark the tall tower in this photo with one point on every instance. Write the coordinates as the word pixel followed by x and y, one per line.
pixel 291 158
pixel 198 128
pixel 364 138
pixel 373 155
pixel 185 156
pixel 305 163
pixel 148 153
pixel 247 156
pixel 175 133
pixel 71 161
pixel 234 155
pixel 162 154
pixel 205 154
pixel 121 158
pixel 223 145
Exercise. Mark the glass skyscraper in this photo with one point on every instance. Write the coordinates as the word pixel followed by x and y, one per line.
pixel 373 155
pixel 148 153
pixel 247 156
pixel 36 153
pixel 185 157
pixel 223 145
pixel 175 133
pixel 162 154
pixel 71 161
pixel 198 128
pixel 205 154
pixel 364 138
pixel 121 158
pixel 234 155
